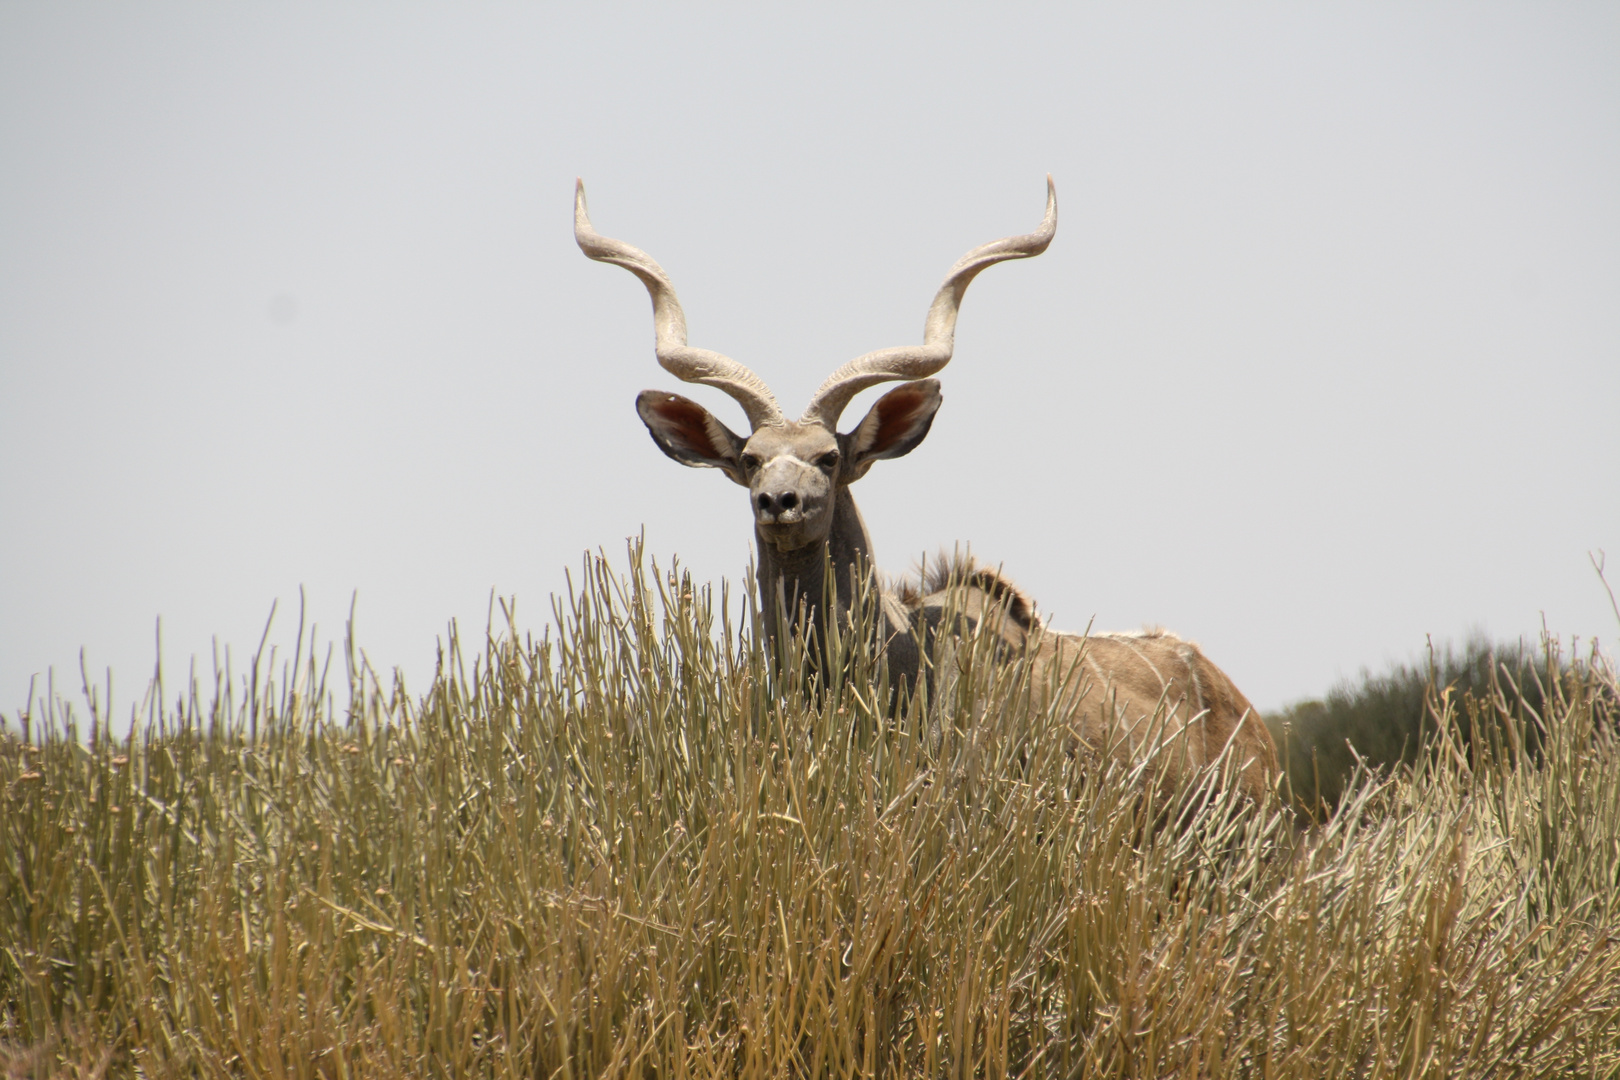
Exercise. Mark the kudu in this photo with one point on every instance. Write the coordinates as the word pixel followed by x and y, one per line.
pixel 1120 691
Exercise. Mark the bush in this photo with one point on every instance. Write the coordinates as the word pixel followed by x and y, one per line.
pixel 1499 694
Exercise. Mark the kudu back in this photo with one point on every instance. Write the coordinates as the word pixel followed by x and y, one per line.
pixel 1121 692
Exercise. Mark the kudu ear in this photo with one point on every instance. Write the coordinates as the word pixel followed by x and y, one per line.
pixel 897 423
pixel 690 434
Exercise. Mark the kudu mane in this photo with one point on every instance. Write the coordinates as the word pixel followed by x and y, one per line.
pixel 959 570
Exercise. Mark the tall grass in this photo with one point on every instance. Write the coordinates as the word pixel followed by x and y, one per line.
pixel 628 847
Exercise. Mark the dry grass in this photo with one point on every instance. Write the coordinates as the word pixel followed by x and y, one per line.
pixel 628 848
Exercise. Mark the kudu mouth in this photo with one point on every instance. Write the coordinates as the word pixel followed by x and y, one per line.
pixel 789 513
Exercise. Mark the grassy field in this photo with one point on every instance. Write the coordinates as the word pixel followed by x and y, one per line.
pixel 627 848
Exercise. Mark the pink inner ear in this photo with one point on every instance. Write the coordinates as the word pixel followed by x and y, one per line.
pixel 683 424
pixel 897 415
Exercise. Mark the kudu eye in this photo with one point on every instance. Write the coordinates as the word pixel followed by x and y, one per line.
pixel 750 462
pixel 829 460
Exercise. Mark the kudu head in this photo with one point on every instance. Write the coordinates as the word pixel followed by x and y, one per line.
pixel 794 469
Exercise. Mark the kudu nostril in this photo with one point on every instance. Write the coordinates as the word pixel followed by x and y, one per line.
pixel 775 504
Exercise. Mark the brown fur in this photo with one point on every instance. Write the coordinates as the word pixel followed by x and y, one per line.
pixel 1124 692
pixel 1129 691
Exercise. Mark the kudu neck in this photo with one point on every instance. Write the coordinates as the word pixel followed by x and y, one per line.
pixel 800 575
pixel 789 578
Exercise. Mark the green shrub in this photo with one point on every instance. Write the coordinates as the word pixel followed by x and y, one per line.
pixel 1500 694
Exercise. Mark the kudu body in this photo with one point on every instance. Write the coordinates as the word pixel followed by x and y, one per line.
pixel 1119 691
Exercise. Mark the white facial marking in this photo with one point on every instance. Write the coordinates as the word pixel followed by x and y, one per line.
pixel 787 457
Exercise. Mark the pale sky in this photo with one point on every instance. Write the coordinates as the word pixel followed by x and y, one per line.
pixel 1324 361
